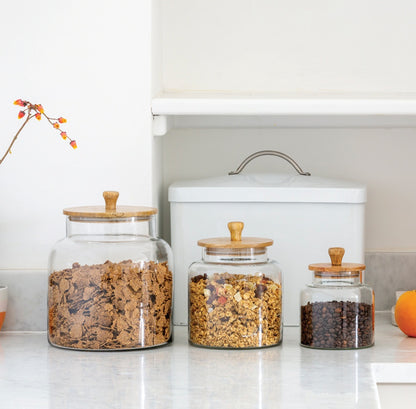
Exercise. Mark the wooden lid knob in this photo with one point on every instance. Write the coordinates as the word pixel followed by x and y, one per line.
pixel 236 241
pixel 110 198
pixel 336 254
pixel 235 229
pixel 336 266
pixel 111 210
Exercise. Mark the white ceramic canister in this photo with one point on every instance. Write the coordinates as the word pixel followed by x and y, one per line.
pixel 303 214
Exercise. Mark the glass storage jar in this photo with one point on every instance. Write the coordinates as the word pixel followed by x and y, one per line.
pixel 110 284
pixel 337 309
pixel 235 293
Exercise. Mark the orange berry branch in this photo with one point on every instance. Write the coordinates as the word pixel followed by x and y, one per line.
pixel 36 111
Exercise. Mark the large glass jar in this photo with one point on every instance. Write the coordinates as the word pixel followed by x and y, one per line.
pixel 235 293
pixel 110 284
pixel 337 309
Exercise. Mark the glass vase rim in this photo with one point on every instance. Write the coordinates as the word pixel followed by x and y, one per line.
pixel 114 219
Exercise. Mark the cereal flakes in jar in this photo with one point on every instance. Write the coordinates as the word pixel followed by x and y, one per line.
pixel 110 280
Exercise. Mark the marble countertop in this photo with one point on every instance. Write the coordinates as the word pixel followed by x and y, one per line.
pixel 34 374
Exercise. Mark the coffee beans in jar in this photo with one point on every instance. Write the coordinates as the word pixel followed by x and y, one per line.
pixel 336 325
pixel 337 309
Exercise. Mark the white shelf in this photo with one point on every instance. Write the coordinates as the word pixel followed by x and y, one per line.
pixel 272 110
pixel 265 104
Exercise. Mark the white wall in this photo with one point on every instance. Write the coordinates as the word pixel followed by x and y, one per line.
pixel 88 61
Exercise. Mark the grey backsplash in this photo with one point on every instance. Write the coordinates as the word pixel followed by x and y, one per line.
pixel 26 309
pixel 386 273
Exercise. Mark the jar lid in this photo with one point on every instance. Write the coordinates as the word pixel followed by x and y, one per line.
pixel 336 265
pixel 110 210
pixel 235 241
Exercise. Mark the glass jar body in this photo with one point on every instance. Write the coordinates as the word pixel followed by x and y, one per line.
pixel 337 312
pixel 109 287
pixel 235 301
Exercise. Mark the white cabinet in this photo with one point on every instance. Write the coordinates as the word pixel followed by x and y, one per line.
pixel 294 64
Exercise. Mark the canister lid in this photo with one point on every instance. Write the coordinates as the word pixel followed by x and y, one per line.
pixel 267 188
pixel 336 265
pixel 235 241
pixel 110 210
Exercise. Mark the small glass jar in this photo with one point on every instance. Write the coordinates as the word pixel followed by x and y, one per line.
pixel 337 309
pixel 110 284
pixel 235 293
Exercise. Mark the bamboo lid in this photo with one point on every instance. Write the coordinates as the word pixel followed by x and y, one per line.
pixel 110 210
pixel 235 241
pixel 336 265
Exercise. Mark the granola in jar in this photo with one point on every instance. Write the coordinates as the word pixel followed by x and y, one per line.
pixel 234 311
pixel 235 293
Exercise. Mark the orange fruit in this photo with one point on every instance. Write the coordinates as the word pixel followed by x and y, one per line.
pixel 405 313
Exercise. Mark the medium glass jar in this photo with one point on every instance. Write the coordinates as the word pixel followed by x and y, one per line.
pixel 337 309
pixel 110 284
pixel 235 293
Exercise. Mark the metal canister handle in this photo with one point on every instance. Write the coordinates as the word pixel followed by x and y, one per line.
pixel 271 153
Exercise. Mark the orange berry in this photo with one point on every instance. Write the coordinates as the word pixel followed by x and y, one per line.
pixel 61 120
pixel 56 125
pixel 73 144
pixel 19 102
pixel 38 116
pixel 21 114
pixel 64 135
pixel 405 313
pixel 39 107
